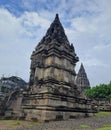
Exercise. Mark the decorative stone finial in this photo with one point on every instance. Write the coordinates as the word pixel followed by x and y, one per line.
pixel 57 18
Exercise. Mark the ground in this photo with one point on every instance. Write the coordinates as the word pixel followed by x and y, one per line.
pixel 15 124
pixel 101 121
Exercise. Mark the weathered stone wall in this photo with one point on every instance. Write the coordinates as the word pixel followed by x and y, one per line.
pixel 45 115
pixel 60 62
pixel 102 104
pixel 52 107
pixel 54 67
pixel 55 73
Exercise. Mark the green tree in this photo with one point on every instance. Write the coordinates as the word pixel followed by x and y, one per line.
pixel 99 91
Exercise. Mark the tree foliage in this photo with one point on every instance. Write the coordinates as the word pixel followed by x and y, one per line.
pixel 99 91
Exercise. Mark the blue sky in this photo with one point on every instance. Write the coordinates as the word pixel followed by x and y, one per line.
pixel 87 24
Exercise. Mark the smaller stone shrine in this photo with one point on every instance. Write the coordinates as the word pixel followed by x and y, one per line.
pixel 11 95
pixel 82 80
pixel 53 93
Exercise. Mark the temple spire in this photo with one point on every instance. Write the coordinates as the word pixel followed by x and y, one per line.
pixel 55 32
pixel 81 70
pixel 82 80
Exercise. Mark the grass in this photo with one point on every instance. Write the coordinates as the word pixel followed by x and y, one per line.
pixel 107 125
pixel 102 114
pixel 9 124
pixel 85 126
pixel 104 128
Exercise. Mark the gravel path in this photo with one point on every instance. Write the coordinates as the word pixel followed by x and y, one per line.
pixel 73 124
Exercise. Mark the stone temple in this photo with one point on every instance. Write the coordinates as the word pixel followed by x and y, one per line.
pixel 53 93
pixel 82 80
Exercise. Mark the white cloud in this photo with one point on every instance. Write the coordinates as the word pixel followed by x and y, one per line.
pixel 17 41
pixel 92 41
pixel 8 23
pixel 32 19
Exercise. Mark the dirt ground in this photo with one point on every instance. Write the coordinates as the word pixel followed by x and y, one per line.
pixel 101 120
pixel 13 124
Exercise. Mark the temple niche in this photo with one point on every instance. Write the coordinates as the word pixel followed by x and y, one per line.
pixel 53 93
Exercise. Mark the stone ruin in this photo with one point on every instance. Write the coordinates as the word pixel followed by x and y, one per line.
pixel 81 80
pixel 53 93
pixel 11 89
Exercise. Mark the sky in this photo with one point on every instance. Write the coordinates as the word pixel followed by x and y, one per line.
pixel 87 24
